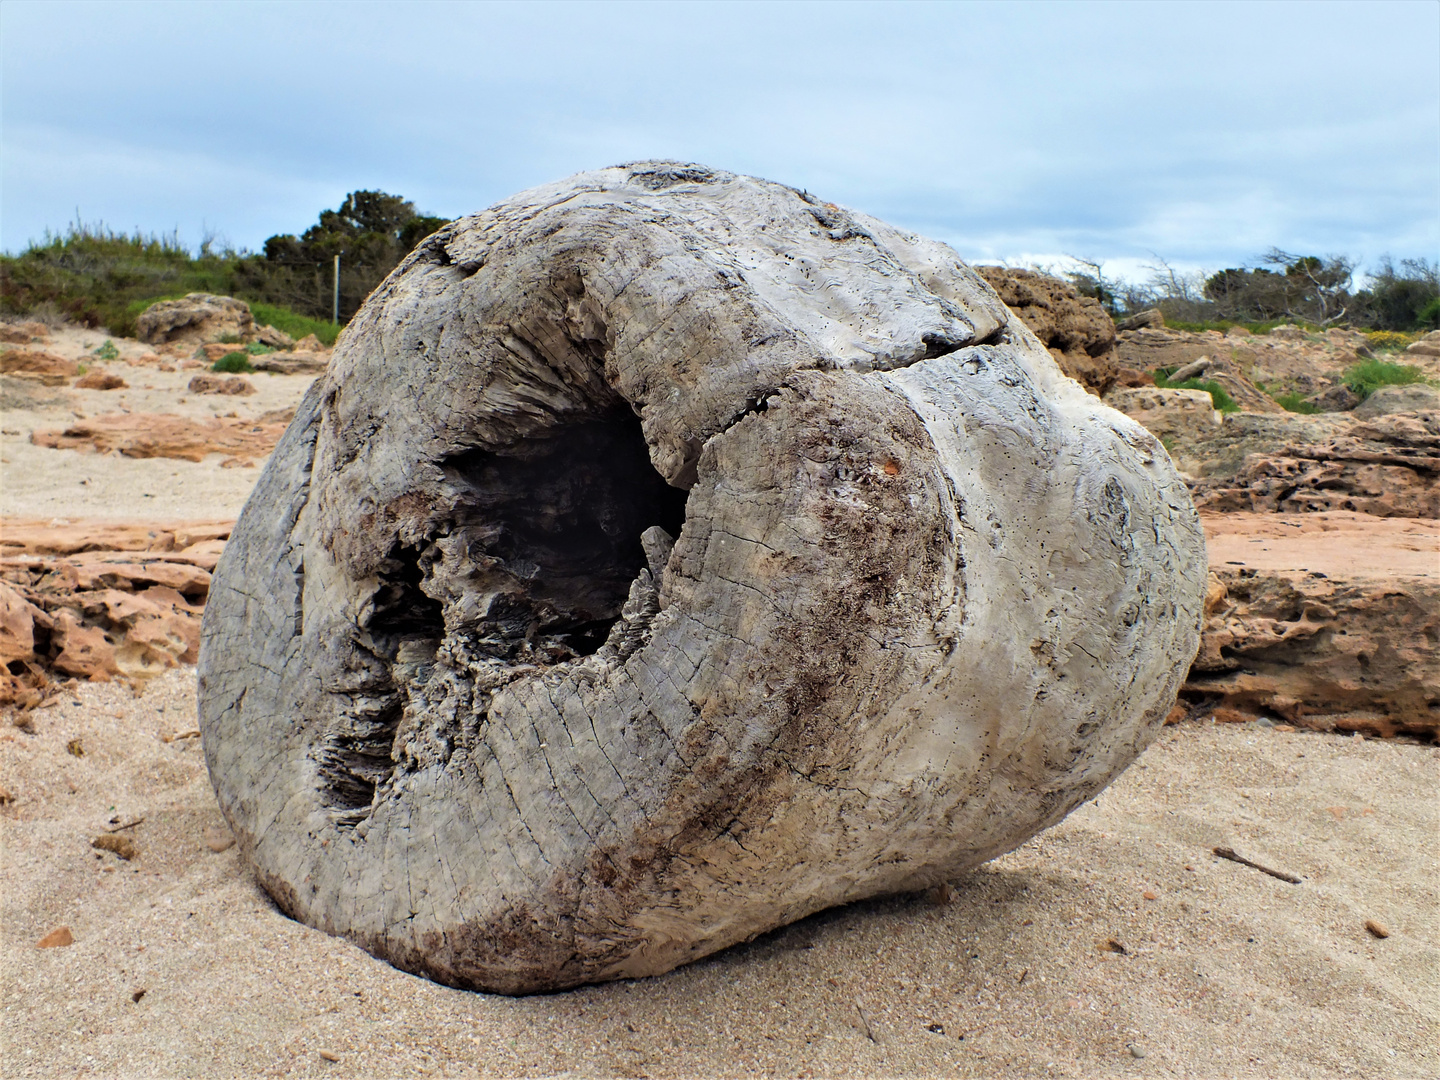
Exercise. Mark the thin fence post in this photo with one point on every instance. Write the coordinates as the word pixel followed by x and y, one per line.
pixel 337 290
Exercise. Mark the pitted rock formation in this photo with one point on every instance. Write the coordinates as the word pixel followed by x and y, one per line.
pixel 1075 328
pixel 1328 621
pixel 1388 466
pixel 667 555
pixel 99 601
pixel 1172 416
pixel 195 319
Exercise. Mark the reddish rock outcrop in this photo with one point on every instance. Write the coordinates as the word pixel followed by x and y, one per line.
pixel 1169 415
pixel 1414 398
pixel 42 366
pixel 1339 398
pixel 99 601
pixel 1228 376
pixel 63 538
pixel 23 333
pixel 1427 347
pixel 1328 621
pixel 276 339
pixel 100 380
pixel 1388 467
pixel 216 350
pixel 1076 329
pixel 1286 360
pixel 150 435
pixel 294 363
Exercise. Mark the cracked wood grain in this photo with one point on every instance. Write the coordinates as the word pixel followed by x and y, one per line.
pixel 667 555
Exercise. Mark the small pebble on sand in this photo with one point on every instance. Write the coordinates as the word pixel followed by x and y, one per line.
pixel 1377 928
pixel 120 845
pixel 57 938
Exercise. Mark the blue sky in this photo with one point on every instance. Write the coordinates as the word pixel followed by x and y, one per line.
pixel 1205 133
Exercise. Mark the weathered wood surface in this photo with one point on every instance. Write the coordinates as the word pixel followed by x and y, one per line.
pixel 925 595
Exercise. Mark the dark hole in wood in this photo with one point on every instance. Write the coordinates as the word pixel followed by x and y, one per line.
pixel 561 517
pixel 546 538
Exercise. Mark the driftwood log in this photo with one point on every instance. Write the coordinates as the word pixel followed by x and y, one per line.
pixel 667 555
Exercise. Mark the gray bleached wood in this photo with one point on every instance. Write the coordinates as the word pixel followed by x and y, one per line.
pixel 666 555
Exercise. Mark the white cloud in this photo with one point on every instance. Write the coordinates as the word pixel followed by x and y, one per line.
pixel 1003 129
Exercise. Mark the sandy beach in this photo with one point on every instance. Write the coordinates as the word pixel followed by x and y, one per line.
pixel 180 965
pixel 44 483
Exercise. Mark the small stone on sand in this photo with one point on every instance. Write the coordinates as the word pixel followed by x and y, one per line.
pixel 1377 928
pixel 56 938
pixel 120 845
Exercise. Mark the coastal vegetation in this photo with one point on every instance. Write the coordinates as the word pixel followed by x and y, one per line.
pixel 100 277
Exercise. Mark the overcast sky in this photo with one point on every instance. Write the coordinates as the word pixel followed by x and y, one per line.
pixel 1205 133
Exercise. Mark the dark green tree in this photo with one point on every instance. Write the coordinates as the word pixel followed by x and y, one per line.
pixel 1404 297
pixel 370 232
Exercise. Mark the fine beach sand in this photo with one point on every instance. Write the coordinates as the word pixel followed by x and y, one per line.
pixel 1225 972
pixel 43 483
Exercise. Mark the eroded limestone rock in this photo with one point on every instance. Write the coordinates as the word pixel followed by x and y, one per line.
pixel 151 435
pixel 1076 329
pixel 1327 621
pixel 195 319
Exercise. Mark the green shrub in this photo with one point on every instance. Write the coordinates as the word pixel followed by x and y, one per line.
pixel 257 348
pixel 293 323
pixel 1428 317
pixel 1293 402
pixel 1399 296
pixel 1218 394
pixel 232 363
pixel 99 277
pixel 1387 340
pixel 94 275
pixel 1368 376
pixel 108 351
